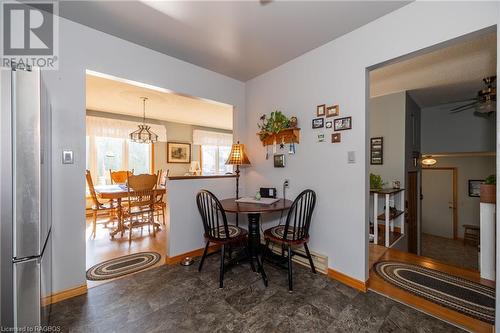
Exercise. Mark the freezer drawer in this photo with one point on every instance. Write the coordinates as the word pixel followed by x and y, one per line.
pixel 33 288
pixel 27 293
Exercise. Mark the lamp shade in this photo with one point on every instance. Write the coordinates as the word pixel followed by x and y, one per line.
pixel 237 156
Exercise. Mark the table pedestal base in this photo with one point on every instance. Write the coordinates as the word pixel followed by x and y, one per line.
pixel 254 243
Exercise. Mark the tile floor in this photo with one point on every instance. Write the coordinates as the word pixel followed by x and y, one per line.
pixel 450 251
pixel 179 299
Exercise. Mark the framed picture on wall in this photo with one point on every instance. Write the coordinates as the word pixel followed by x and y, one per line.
pixel 318 123
pixel 377 151
pixel 320 110
pixel 178 152
pixel 342 124
pixel 475 187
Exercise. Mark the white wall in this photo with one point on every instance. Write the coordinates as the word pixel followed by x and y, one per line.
pixel 185 226
pixel 388 120
pixel 335 73
pixel 83 48
pixel 444 132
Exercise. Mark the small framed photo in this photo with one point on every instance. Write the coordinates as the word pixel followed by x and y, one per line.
pixel 321 137
pixel 318 123
pixel 320 110
pixel 329 124
pixel 377 151
pixel 279 161
pixel 332 111
pixel 342 124
pixel 178 152
pixel 475 187
pixel 335 137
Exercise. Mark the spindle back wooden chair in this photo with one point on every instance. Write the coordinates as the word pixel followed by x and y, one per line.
pixel 295 232
pixel 217 230
pixel 119 177
pixel 97 206
pixel 141 199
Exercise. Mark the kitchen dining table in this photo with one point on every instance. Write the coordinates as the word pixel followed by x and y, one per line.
pixel 117 193
pixel 254 211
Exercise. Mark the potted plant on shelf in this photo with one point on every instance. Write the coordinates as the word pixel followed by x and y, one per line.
pixel 376 182
pixel 273 124
pixel 489 190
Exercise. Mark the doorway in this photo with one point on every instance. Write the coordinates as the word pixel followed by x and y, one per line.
pixel 417 145
pixel 186 144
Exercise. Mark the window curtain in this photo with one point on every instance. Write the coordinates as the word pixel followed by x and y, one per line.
pixel 117 128
pixel 209 138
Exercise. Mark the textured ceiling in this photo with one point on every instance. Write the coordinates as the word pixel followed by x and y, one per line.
pixel 240 39
pixel 115 96
pixel 447 75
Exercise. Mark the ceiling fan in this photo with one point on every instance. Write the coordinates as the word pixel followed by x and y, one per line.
pixel 485 101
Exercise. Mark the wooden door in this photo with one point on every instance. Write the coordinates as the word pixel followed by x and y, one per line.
pixel 412 211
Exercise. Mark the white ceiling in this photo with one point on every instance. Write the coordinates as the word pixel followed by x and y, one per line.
pixel 241 39
pixel 117 96
pixel 444 76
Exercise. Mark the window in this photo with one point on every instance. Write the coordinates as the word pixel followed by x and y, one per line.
pixel 108 147
pixel 104 153
pixel 215 149
pixel 213 159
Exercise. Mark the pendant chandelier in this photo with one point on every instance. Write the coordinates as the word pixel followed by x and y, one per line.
pixel 144 133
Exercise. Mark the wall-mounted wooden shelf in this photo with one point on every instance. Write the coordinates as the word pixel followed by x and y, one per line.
pixel 289 135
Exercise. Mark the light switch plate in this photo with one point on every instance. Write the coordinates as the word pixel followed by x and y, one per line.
pixel 351 157
pixel 67 157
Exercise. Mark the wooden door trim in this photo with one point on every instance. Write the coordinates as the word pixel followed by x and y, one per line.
pixel 455 195
pixel 412 241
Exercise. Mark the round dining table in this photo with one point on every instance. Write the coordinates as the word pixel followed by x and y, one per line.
pixel 254 211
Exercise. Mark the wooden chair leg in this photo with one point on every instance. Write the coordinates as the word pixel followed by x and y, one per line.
pixel 203 256
pixel 130 230
pixel 221 276
pixel 152 221
pixel 290 281
pixel 94 223
pixel 163 216
pixel 311 263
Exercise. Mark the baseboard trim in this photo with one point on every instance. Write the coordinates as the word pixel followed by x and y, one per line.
pixel 195 253
pixel 347 280
pixel 65 294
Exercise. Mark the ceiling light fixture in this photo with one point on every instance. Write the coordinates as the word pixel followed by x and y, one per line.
pixel 428 161
pixel 143 134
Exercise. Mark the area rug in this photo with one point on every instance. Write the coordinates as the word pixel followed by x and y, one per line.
pixel 470 298
pixel 120 266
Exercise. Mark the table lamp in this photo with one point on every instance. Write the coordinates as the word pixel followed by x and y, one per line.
pixel 237 157
pixel 194 168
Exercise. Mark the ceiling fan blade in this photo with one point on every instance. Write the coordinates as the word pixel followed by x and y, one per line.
pixel 462 108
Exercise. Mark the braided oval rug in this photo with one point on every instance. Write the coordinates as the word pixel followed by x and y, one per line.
pixel 467 297
pixel 124 265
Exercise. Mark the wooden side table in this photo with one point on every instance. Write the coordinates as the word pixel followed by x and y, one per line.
pixel 471 233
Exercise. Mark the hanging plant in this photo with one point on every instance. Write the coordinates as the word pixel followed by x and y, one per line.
pixel 273 124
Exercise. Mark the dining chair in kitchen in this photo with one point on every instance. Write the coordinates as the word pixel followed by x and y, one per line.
pixel 295 231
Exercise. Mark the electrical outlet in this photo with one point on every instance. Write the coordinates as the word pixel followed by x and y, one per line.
pixel 286 183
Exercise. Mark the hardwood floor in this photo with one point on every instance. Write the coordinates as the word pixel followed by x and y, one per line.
pixel 103 248
pixel 379 285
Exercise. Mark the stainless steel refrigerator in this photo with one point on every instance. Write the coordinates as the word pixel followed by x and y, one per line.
pixel 25 199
